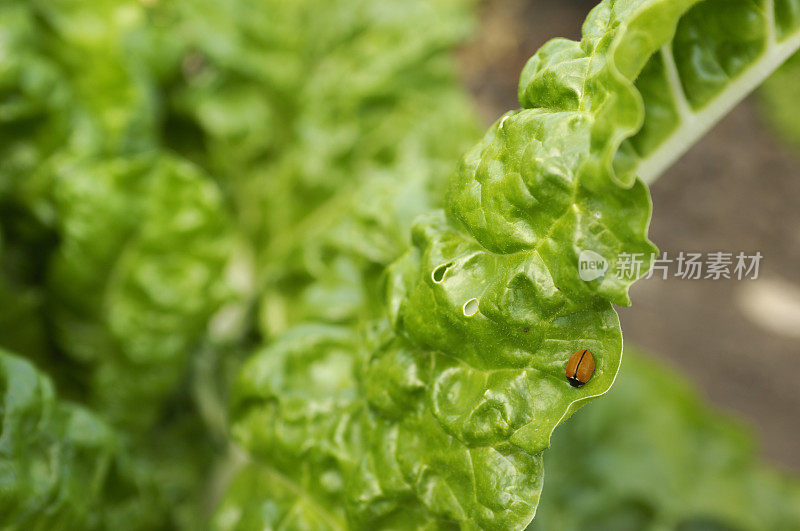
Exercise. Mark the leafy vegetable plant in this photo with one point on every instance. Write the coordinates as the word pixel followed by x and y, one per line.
pixel 445 415
pixel 209 179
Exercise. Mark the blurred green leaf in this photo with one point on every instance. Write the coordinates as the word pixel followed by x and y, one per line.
pixel 138 272
pixel 778 98
pixel 63 468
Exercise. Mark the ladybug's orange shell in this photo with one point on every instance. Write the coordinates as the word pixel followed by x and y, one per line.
pixel 580 367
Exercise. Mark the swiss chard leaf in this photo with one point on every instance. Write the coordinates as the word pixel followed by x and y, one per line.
pixel 720 52
pixel 443 413
pixel 52 455
pixel 125 298
pixel 61 466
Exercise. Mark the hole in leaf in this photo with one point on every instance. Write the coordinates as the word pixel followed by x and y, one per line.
pixel 471 307
pixel 438 273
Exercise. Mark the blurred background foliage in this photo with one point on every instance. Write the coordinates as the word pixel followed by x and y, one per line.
pixel 181 182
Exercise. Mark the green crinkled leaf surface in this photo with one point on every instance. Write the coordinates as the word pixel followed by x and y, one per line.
pixel 124 295
pixel 447 406
pixel 63 467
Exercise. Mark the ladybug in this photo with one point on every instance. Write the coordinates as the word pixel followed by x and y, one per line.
pixel 580 368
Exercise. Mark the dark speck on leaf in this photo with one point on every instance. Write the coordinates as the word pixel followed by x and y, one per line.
pixel 526 329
